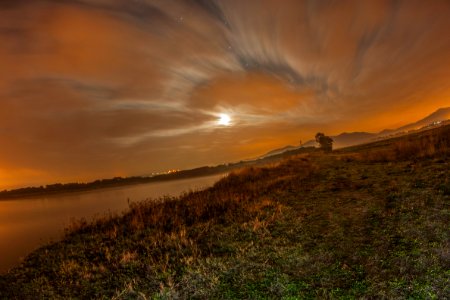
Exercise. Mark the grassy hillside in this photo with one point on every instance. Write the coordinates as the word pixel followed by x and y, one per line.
pixel 370 222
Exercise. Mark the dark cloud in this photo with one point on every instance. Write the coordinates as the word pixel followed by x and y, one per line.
pixel 212 7
pixel 95 87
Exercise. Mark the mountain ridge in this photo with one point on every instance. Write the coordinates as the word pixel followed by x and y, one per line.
pixel 346 139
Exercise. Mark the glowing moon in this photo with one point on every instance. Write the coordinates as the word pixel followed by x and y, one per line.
pixel 224 120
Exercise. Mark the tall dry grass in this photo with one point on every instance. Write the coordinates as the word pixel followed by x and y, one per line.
pixel 422 145
pixel 232 199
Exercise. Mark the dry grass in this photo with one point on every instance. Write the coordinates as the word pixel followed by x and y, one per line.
pixel 367 224
pixel 418 146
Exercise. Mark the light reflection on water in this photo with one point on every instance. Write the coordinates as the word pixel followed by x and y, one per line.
pixel 26 224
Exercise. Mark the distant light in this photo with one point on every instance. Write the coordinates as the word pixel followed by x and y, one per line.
pixel 224 120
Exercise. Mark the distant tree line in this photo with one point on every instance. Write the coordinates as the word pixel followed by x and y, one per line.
pixel 71 187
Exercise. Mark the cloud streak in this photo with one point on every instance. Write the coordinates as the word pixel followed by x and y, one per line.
pixel 91 88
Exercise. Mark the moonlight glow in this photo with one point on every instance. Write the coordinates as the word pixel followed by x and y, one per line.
pixel 224 120
pixel 184 84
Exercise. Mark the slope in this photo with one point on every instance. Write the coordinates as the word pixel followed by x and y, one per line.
pixel 368 222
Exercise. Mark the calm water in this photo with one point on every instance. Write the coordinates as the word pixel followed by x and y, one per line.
pixel 26 224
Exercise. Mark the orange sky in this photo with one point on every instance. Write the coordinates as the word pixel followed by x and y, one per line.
pixel 94 88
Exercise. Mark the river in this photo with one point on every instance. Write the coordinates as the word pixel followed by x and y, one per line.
pixel 26 224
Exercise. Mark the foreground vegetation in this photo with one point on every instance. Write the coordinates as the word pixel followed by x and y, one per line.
pixel 366 222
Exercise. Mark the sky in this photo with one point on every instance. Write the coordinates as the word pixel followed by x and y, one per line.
pixel 101 88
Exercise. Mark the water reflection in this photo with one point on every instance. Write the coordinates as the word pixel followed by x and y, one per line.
pixel 26 224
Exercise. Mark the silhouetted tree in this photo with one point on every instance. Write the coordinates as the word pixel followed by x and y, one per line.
pixel 325 142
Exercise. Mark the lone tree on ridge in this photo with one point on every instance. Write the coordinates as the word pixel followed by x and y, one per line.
pixel 325 142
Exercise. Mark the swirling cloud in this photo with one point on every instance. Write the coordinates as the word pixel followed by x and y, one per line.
pixel 95 88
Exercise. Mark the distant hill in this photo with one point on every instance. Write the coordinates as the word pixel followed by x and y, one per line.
pixel 280 150
pixel 441 114
pixel 347 139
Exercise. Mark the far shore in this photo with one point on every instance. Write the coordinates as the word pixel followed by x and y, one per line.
pixel 38 193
